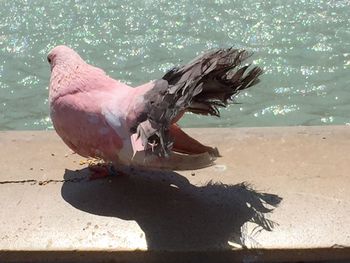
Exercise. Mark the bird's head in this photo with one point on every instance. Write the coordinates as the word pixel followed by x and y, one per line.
pixel 64 63
pixel 63 56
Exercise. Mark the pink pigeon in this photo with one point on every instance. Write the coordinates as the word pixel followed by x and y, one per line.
pixel 100 117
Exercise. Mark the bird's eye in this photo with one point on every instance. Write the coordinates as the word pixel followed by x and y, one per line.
pixel 49 60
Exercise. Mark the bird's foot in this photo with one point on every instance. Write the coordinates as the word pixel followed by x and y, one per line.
pixel 100 171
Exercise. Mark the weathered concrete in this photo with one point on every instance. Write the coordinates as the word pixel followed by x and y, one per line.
pixel 48 203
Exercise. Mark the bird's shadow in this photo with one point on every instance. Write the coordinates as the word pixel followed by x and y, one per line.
pixel 173 213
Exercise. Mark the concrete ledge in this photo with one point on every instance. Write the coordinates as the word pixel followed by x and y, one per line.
pixel 282 192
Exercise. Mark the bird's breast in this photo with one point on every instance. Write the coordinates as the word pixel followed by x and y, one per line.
pixel 81 125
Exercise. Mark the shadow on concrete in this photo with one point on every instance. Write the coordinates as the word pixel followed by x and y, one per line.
pixel 173 213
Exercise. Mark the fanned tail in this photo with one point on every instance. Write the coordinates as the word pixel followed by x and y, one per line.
pixel 208 82
pixel 212 80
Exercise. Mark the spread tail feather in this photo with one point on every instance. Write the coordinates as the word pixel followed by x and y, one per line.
pixel 211 80
pixel 202 86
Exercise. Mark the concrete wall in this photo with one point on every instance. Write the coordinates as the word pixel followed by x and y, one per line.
pixel 282 192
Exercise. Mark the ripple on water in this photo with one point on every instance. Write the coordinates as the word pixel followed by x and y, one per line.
pixel 303 47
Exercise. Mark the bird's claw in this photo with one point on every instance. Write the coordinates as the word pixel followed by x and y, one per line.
pixel 101 171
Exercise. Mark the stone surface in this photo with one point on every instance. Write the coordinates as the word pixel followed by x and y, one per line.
pixel 274 188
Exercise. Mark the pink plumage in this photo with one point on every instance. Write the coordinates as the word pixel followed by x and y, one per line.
pixel 97 116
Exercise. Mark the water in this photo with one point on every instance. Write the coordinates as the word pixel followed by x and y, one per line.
pixel 303 46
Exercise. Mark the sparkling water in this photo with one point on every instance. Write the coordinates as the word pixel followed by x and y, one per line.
pixel 303 47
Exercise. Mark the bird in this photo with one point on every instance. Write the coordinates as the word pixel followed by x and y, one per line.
pixel 100 117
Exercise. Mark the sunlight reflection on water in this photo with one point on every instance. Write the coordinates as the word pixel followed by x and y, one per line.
pixel 303 47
